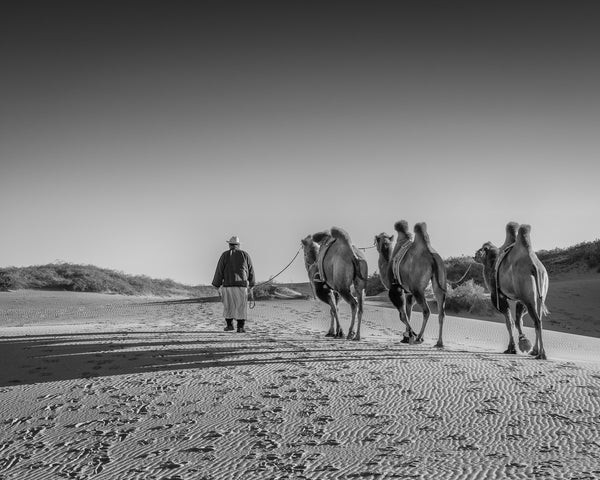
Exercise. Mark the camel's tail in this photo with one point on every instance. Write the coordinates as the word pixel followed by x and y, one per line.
pixel 359 264
pixel 439 269
pixel 540 276
pixel 539 283
pixel 439 272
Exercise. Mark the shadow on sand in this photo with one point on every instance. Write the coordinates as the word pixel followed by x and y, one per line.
pixel 48 358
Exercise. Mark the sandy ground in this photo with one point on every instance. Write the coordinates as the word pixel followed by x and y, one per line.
pixel 105 387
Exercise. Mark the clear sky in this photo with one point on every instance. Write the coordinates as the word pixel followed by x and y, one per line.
pixel 139 136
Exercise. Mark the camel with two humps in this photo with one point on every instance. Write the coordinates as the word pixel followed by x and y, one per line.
pixel 320 290
pixel 342 271
pixel 406 269
pixel 514 273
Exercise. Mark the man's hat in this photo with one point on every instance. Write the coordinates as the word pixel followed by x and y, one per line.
pixel 234 240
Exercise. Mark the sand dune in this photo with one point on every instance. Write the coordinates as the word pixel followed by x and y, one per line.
pixel 113 387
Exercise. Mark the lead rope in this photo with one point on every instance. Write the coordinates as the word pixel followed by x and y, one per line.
pixel 251 301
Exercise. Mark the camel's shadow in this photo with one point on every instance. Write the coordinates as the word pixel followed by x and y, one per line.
pixel 60 357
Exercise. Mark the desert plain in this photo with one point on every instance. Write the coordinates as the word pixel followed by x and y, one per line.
pixel 99 386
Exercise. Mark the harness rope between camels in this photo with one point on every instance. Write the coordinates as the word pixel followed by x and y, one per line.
pixel 452 284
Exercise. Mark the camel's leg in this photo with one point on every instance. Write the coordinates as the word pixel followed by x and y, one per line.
pixel 328 296
pixel 349 298
pixel 339 331
pixel 524 343
pixel 501 304
pixel 410 301
pixel 396 295
pixel 538 350
pixel 331 331
pixel 420 298
pixel 440 297
pixel 360 298
pixel 335 329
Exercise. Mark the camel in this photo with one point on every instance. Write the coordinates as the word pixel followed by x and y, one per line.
pixel 320 290
pixel 515 273
pixel 341 266
pixel 407 270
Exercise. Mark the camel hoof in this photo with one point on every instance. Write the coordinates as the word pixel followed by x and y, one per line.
pixel 350 336
pixel 329 334
pixel 439 345
pixel 541 356
pixel 408 338
pixel 340 334
pixel 510 350
pixel 356 338
pixel 524 344
pixel 418 340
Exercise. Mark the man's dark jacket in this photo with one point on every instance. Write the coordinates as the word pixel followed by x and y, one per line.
pixel 234 270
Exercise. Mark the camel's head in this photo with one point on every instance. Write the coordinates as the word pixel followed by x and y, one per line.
pixel 384 242
pixel 311 249
pixel 482 253
pixel 307 241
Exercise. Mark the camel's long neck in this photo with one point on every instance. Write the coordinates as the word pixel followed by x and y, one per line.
pixel 489 267
pixel 383 263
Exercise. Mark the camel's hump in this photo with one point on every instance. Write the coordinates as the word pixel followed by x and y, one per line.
pixel 401 226
pixel 421 232
pixel 511 228
pixel 511 233
pixel 341 234
pixel 524 236
pixel 320 236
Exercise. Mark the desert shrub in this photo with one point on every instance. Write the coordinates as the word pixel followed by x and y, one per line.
pixel 263 291
pixel 374 285
pixel 468 297
pixel 456 267
pixel 6 280
pixel 592 254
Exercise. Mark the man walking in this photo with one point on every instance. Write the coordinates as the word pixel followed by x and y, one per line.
pixel 234 274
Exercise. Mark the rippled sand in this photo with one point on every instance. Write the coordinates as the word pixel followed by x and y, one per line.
pixel 111 387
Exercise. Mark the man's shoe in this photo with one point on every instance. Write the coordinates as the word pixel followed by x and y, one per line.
pixel 240 326
pixel 229 327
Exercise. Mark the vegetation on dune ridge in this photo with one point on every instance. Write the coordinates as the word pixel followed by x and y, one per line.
pixel 465 279
pixel 89 278
pixel 580 257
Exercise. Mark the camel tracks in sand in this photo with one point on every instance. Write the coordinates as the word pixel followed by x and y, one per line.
pixel 167 394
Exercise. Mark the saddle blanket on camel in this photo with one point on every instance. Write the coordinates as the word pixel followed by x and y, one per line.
pixel 499 261
pixel 397 260
pixel 320 274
